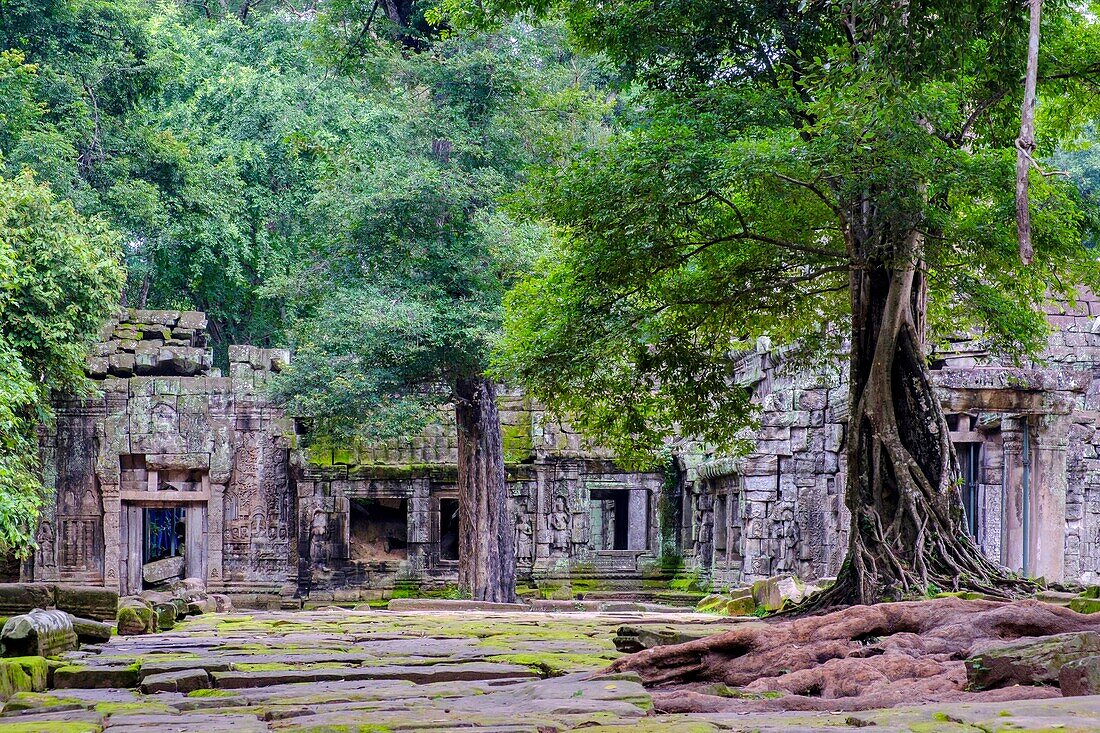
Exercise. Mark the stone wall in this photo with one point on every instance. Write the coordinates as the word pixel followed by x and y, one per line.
pixel 780 509
pixel 167 431
pixel 565 496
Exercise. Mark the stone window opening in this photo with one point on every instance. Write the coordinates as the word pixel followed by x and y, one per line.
pixel 379 529
pixel 610 519
pixel 448 530
pixel 970 468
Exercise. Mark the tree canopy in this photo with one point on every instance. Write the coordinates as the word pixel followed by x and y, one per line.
pixel 778 146
pixel 60 276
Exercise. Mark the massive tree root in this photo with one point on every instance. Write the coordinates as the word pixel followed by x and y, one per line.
pixel 908 538
pixel 858 658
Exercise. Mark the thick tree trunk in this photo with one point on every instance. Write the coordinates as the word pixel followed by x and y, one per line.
pixel 486 555
pixel 908 536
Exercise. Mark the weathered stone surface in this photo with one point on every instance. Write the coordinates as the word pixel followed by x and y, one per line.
pixel 739 602
pixel 184 665
pixel 162 570
pixel 95 677
pixel 92 602
pixel 135 616
pixel 222 602
pixel 1080 677
pixel 1029 661
pixel 22 674
pixel 17 598
pixel 166 616
pixel 418 674
pixel 436 604
pixel 38 633
pixel 183 681
pixel 90 631
pixel 772 593
pixel 633 638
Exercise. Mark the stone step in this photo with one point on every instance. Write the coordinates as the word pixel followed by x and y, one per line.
pixel 423 674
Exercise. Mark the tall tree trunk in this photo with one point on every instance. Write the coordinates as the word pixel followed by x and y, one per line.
pixel 1025 144
pixel 908 535
pixel 486 553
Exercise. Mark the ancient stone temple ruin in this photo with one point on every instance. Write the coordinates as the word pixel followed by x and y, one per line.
pixel 177 470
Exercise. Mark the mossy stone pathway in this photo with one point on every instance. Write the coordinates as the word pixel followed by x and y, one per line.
pixel 336 671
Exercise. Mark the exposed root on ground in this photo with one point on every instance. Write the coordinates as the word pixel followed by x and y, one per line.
pixel 853 659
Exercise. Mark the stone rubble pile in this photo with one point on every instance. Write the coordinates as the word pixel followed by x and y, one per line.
pixel 159 610
pixel 152 342
pixel 764 596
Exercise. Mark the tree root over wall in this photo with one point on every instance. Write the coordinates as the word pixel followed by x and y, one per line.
pixel 858 658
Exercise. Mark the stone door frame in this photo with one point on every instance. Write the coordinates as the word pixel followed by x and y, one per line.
pixel 131 540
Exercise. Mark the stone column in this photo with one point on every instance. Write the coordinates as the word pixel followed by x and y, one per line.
pixel 112 536
pixel 638 532
pixel 1012 532
pixel 1046 535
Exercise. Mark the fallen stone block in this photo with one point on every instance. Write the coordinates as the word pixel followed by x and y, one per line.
pixel 89 631
pixel 166 616
pixel 630 639
pixel 181 608
pixel 187 680
pixel 1080 677
pixel 1029 661
pixel 87 601
pixel 135 617
pixel 17 598
pixel 95 677
pixel 159 571
pixel 739 602
pixel 772 593
pixel 38 633
pixel 22 674
pixel 222 603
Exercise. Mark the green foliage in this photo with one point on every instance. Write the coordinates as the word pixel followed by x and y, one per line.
pixel 400 293
pixel 773 148
pixel 59 279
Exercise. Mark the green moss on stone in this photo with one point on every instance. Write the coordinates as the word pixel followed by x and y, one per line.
pixel 51 726
pixel 212 693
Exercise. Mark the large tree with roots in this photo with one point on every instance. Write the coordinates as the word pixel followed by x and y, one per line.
pixel 789 168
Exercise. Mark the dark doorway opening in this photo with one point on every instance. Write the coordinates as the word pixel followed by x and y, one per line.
pixel 379 529
pixel 611 520
pixel 165 533
pixel 448 530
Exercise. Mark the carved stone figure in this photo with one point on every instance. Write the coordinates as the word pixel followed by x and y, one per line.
pixel 44 538
pixel 559 528
pixel 524 543
pixel 318 538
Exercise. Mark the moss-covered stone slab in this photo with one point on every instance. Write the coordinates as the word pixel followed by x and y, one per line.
pixel 84 601
pixel 95 677
pixel 1029 661
pixel 184 681
pixel 22 674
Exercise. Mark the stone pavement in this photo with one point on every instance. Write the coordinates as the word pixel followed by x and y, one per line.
pixel 337 671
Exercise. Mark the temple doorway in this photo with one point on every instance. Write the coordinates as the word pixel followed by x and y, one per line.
pixel 161 542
